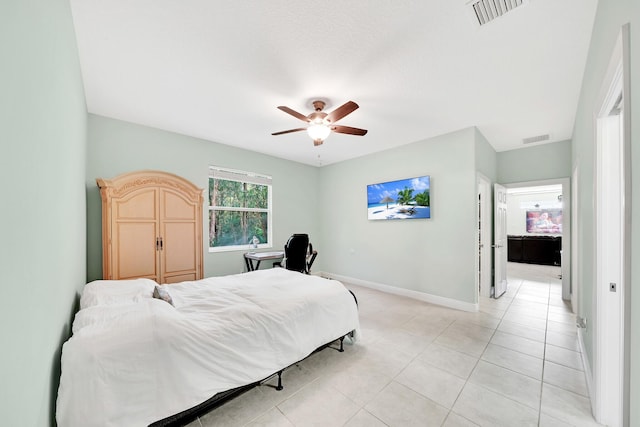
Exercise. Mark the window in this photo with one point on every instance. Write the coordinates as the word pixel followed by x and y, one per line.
pixel 239 209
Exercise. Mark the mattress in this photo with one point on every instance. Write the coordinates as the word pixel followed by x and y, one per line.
pixel 134 359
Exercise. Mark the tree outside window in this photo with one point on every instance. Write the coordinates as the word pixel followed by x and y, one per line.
pixel 239 209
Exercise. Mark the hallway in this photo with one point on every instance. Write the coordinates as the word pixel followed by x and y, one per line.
pixel 537 337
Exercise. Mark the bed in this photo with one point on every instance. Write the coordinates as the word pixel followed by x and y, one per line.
pixel 135 359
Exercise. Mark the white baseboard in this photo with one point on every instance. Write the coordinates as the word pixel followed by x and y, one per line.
pixel 588 373
pixel 433 299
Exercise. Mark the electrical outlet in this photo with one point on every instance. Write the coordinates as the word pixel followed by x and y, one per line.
pixel 581 322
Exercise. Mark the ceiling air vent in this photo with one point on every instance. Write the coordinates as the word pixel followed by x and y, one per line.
pixel 485 11
pixel 538 138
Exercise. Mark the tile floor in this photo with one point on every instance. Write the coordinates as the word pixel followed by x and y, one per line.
pixel 514 363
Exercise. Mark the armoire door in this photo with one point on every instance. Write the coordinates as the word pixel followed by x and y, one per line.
pixel 179 249
pixel 135 227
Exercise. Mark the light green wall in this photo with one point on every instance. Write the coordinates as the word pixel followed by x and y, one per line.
pixel 117 147
pixel 42 172
pixel 610 16
pixel 546 161
pixel 435 256
pixel 486 157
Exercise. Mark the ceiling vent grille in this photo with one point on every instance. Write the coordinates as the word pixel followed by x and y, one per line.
pixel 486 11
pixel 538 138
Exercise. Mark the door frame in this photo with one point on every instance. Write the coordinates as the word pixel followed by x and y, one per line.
pixel 565 254
pixel 500 240
pixel 611 365
pixel 574 285
pixel 484 218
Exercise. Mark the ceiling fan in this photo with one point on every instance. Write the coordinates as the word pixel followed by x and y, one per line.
pixel 322 124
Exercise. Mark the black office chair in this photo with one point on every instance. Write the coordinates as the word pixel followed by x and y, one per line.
pixel 298 254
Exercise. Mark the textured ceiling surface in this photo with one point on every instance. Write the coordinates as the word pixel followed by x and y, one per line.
pixel 217 70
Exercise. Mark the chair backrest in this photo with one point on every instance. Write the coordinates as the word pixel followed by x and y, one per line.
pixel 295 252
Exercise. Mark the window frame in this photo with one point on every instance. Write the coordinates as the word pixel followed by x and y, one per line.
pixel 216 172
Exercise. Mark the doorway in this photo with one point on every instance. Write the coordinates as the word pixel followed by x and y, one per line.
pixel 538 226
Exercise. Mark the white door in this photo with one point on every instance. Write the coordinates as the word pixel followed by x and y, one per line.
pixel 613 219
pixel 484 236
pixel 500 240
pixel 609 266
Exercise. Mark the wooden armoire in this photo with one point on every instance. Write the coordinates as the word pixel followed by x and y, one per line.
pixel 151 227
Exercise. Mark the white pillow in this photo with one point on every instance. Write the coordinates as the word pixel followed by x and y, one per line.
pixel 110 292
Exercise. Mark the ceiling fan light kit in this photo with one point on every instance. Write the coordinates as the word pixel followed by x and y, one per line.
pixel 321 123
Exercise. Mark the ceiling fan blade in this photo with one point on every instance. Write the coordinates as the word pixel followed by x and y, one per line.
pixel 294 113
pixel 348 130
pixel 288 131
pixel 341 111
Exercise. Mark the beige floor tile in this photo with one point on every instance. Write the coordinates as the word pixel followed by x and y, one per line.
pixel 487 408
pixel 521 330
pixel 427 326
pixel 364 419
pixel 472 330
pixel 566 406
pixel 492 311
pixel 318 404
pixel 523 310
pixel 431 382
pixel 569 342
pixel 565 378
pixel 380 360
pixel 240 410
pixel 449 360
pixel 549 421
pixel 455 420
pixel 563 356
pixel 563 328
pixel 532 298
pixel 461 342
pixel 405 342
pixel 359 383
pixel 568 318
pixel 533 322
pixel 565 308
pixel 514 360
pixel 523 345
pixel 272 418
pixel 508 383
pixel 398 405
pixel 479 318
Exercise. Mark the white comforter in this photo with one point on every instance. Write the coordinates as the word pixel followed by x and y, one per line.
pixel 134 359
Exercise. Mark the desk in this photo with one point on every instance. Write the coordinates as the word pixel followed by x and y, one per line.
pixel 249 257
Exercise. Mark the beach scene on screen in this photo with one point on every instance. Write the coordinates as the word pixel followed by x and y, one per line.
pixel 403 199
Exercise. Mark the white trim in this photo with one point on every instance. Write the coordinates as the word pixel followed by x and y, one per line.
pixel 588 373
pixel 574 285
pixel 421 296
pixel 239 176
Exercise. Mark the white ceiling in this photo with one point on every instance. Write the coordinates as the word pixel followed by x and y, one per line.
pixel 217 70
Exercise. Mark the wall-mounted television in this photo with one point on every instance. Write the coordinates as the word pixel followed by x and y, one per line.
pixel 402 199
pixel 548 221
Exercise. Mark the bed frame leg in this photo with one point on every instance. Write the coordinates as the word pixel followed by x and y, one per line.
pixel 279 387
pixel 341 345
